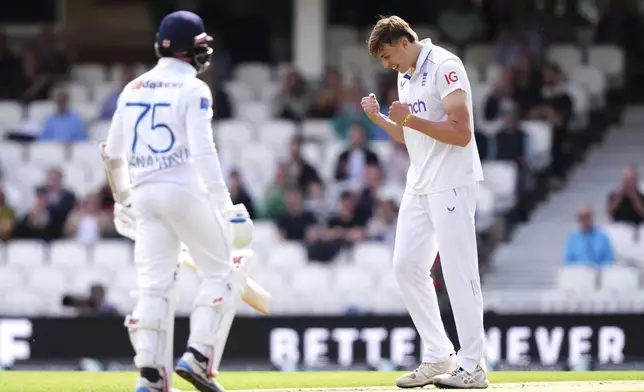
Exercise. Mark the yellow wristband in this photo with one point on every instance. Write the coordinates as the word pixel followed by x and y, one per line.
pixel 404 122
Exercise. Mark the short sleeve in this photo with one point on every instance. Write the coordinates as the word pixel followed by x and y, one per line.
pixel 199 105
pixel 450 76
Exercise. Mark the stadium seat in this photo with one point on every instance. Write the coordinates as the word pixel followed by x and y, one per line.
pixel 312 153
pixel 233 133
pixel 266 233
pixel 610 60
pixel 89 73
pixel 11 278
pixel 123 300
pixel 38 111
pixel 373 255
pixel 113 254
pixel 255 112
pixel 568 57
pixel 75 178
pixel 86 154
pixel 26 253
pixel 619 279
pixel 253 74
pixel 11 115
pixel 68 254
pixel 474 74
pixel 78 93
pixel 382 148
pixel 576 280
pixel 48 281
pixel 23 303
pixel 47 154
pixel 83 278
pixel 484 209
pixel 87 110
pixel 287 255
pixel 102 91
pixel 501 177
pixel 277 134
pixel 353 284
pixel 238 92
pixel 593 81
pixel 140 69
pixel 319 130
pixel 540 142
pixel 11 154
pixel 29 176
pixel 332 152
pixel 622 237
pixel 492 73
pixel 98 131
pixel 257 163
pixel 479 55
pixel 581 106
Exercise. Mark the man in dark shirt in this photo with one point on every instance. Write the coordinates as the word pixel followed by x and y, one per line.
pixel 626 204
pixel 239 194
pixel 352 162
pixel 299 169
pixel 511 143
pixel 347 226
pixel 297 224
pixel 369 195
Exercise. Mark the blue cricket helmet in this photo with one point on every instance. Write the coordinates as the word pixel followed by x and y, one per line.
pixel 182 35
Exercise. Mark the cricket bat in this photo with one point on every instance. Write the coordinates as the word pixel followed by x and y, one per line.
pixel 254 295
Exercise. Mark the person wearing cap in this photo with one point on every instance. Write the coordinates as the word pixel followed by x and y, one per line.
pixel 169 190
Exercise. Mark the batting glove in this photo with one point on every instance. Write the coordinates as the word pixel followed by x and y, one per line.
pixel 124 221
pixel 241 225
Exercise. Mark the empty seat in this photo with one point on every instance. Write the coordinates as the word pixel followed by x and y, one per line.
pixel 47 154
pixel 576 279
pixel 622 237
pixel 568 57
pixel 68 253
pixel 11 115
pixel 540 142
pixel 484 209
pixel 382 148
pixel 593 81
pixel 22 303
pixel 255 112
pixel 86 154
pixel 11 277
pixel 89 73
pixel 253 74
pixel 78 92
pixel 102 91
pixel 277 133
pixel 29 176
pixel 75 178
pixel 318 129
pixel 372 255
pixel 26 253
pixel 353 284
pixel 313 280
pixel 39 111
pixel 233 132
pixel 48 281
pixel 83 278
pixel 501 177
pixel 619 279
pixel 11 154
pixel 312 153
pixel 287 255
pixel 265 232
pixel 257 164
pixel 479 55
pixel 113 254
pixel 609 59
pixel 87 110
pixel 239 92
pixel 98 131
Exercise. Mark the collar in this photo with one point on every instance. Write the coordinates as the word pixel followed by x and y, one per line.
pixel 428 46
pixel 177 65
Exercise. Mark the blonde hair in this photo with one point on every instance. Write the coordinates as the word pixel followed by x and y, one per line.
pixel 389 30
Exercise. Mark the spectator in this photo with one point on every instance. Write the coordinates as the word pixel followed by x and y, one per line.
pixel 556 107
pixel 508 48
pixel 7 218
pixel 296 224
pixel 626 204
pixel 346 226
pixel 94 305
pixel 39 222
pixel 482 145
pixel 590 245
pixel 36 82
pixel 382 226
pixel 501 96
pixel 293 98
pixel 64 125
pixel 273 205
pixel 109 105
pixel 368 198
pixel 60 200
pixel 527 84
pixel 88 223
pixel 239 194
pixel 10 66
pixel 511 143
pixel 352 162
pixel 55 59
pixel 221 103
pixel 106 199
pixel 350 112
pixel 317 202
pixel 326 99
pixel 299 169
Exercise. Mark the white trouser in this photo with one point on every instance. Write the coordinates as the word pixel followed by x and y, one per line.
pixel 168 214
pixel 441 222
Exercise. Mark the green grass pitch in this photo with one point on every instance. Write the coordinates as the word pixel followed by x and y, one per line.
pixel 124 381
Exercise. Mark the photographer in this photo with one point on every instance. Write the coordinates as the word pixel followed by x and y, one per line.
pixel 95 305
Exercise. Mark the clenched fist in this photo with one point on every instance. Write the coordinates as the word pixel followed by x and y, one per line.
pixel 370 106
pixel 398 111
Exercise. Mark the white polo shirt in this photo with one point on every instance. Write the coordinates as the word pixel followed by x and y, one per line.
pixel 436 166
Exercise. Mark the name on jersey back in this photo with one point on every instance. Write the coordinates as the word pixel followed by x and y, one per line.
pixel 159 161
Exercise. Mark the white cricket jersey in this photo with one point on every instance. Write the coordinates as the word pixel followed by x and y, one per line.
pixel 436 166
pixel 162 126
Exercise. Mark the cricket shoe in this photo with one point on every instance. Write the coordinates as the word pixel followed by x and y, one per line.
pixel 462 379
pixel 425 373
pixel 196 373
pixel 144 385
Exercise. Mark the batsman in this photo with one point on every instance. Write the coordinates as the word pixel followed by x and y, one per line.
pixel 169 190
